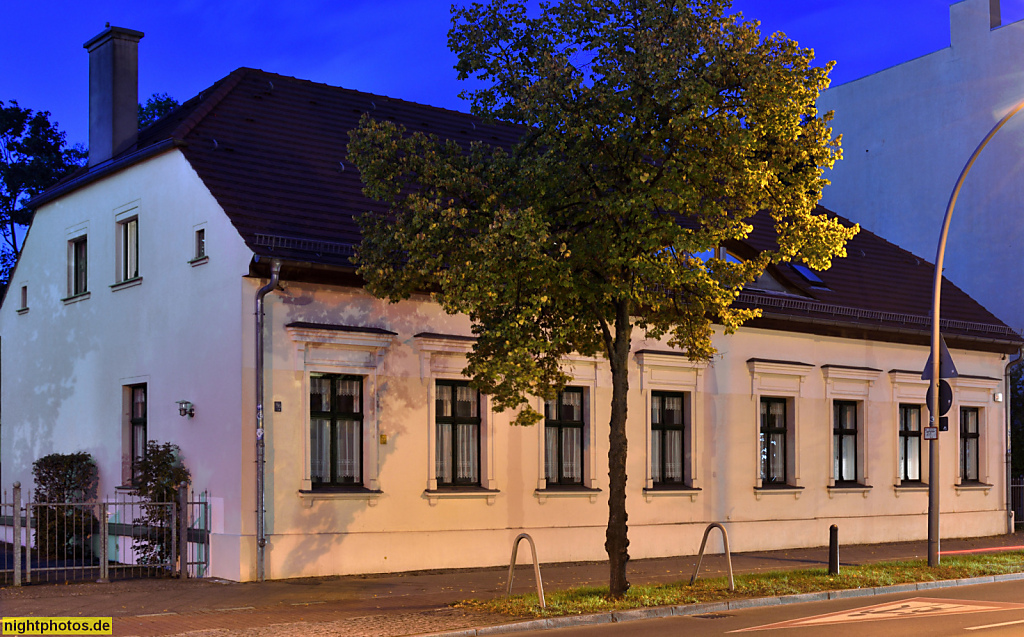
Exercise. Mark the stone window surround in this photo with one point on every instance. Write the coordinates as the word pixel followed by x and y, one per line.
pixel 778 379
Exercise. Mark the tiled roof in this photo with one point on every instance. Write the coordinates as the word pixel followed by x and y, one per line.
pixel 272 151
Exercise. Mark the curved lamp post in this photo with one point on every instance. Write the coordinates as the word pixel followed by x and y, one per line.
pixel 933 405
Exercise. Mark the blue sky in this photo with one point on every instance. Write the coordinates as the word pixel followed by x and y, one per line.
pixel 395 48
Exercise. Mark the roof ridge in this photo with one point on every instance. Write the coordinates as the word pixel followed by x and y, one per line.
pixel 227 84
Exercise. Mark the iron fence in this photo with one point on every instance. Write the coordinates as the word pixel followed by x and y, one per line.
pixel 125 537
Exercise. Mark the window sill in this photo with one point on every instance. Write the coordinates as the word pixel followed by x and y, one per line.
pixel 75 298
pixel 680 491
pixel 198 261
pixel 340 493
pixel 460 493
pixel 22 310
pixel 910 487
pixel 779 489
pixel 566 491
pixel 862 489
pixel 972 486
pixel 130 283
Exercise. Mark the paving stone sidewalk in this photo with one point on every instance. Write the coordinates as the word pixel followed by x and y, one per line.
pixel 391 604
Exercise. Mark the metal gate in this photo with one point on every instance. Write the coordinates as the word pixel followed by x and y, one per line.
pixel 123 538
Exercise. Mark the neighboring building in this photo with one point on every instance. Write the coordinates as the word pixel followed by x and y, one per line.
pixel 136 289
pixel 907 133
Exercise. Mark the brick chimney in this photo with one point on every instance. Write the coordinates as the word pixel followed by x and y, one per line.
pixel 113 92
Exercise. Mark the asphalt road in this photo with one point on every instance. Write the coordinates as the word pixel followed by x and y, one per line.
pixel 984 610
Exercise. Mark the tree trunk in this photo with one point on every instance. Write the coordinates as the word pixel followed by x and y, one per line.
pixel 616 542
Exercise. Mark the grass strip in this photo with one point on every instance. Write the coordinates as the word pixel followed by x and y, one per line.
pixel 594 599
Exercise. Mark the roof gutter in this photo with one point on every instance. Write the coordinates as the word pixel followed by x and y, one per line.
pixel 102 170
pixel 261 536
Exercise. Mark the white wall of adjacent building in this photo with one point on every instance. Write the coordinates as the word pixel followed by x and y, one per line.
pixel 907 133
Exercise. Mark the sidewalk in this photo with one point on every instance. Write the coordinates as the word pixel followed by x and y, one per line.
pixel 393 604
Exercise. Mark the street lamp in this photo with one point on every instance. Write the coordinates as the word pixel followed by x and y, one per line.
pixel 933 403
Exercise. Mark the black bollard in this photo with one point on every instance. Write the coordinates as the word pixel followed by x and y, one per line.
pixel 833 550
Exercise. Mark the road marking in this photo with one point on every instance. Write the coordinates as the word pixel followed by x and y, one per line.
pixel 996 549
pixel 1019 621
pixel 221 610
pixel 914 607
pixel 156 614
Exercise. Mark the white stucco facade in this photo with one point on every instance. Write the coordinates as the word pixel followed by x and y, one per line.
pixel 184 329
pixel 907 133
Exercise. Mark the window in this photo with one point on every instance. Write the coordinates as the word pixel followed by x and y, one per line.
pixel 336 430
pixel 910 443
pixel 24 297
pixel 773 441
pixel 969 444
pixel 78 274
pixel 138 433
pixel 844 439
pixel 667 436
pixel 129 248
pixel 200 244
pixel 563 438
pixel 457 416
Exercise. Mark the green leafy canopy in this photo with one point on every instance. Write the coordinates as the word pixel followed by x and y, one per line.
pixel 652 131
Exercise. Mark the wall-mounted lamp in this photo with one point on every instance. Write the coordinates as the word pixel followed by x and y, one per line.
pixel 186 408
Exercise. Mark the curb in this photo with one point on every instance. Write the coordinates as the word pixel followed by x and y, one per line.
pixel 717 607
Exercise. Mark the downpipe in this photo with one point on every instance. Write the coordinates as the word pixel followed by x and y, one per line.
pixel 261 534
pixel 1008 404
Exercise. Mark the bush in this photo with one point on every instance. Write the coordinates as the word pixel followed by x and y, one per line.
pixel 62 530
pixel 158 475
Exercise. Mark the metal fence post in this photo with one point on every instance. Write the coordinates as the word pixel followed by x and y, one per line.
pixel 28 542
pixel 183 530
pixel 174 537
pixel 104 545
pixel 16 540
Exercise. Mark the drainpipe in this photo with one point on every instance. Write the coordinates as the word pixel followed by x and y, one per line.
pixel 261 537
pixel 1010 526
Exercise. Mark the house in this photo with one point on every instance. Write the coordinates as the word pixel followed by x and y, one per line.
pixel 137 287
pixel 909 130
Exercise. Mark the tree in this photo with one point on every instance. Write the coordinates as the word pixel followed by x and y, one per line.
pixel 158 105
pixel 652 132
pixel 33 156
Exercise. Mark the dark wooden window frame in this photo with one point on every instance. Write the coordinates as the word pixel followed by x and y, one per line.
pixel 837 446
pixel 964 437
pixel 663 427
pixel 455 420
pixel 137 423
pixel 129 249
pixel 766 431
pixel 334 415
pixel 910 437
pixel 560 424
pixel 79 283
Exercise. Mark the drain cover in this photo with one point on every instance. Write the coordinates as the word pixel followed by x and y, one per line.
pixel 713 616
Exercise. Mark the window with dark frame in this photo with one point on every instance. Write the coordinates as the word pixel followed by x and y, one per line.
pixel 24 297
pixel 563 438
pixel 668 431
pixel 457 421
pixel 773 441
pixel 200 244
pixel 78 270
pixel 129 249
pixel 335 430
pixel 138 433
pixel 910 443
pixel 969 438
pixel 844 442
